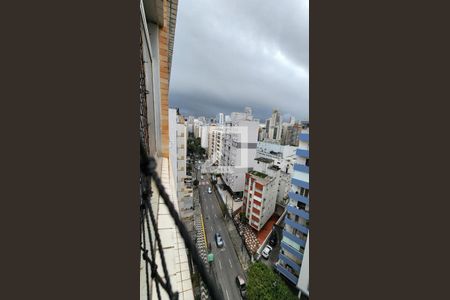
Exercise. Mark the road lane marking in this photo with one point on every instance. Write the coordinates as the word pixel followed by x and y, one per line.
pixel 228 297
pixel 220 265
pixel 230 263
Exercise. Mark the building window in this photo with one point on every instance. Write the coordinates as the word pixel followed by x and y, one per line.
pixel 304 192
pixel 301 205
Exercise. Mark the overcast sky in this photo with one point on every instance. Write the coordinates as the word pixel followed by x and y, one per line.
pixel 229 54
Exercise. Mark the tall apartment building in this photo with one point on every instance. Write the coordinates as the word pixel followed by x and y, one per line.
pixel 157 30
pixel 261 133
pixel 178 150
pixel 215 143
pixel 197 128
pixel 290 134
pixel 293 260
pixel 239 150
pixel 221 119
pixel 204 136
pixel 260 192
pixel 273 126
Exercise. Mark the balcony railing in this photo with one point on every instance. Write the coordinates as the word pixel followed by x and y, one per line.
pixel 149 178
pixel 299 198
pixel 292 278
pixel 299 212
pixel 300 183
pixel 295 238
pixel 301 168
pixel 304 137
pixel 303 229
pixel 302 153
pixel 294 265
pixel 291 250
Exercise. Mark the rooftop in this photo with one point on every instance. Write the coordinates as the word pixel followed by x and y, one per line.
pixel 264 160
pixel 275 168
pixel 258 174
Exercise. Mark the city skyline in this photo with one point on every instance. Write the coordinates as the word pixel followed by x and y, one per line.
pixel 285 116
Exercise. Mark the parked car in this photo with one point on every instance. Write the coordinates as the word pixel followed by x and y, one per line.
pixel 209 190
pixel 266 252
pixel 273 240
pixel 219 240
pixel 240 281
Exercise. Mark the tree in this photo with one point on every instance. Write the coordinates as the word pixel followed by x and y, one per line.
pixel 263 283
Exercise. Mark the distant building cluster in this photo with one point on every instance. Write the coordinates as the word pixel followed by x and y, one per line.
pixel 266 165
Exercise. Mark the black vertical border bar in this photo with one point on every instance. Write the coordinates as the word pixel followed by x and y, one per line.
pixel 379 148
pixel 70 135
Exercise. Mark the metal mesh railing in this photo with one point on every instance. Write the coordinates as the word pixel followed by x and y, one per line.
pixel 148 175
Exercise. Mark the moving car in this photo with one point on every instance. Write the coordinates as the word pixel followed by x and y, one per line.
pixel 240 281
pixel 219 240
pixel 266 252
pixel 209 190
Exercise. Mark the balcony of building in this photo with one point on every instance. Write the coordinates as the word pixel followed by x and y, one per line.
pixel 300 183
pixel 287 272
pixel 304 137
pixel 293 263
pixel 298 212
pixel 299 198
pixel 296 225
pixel 301 168
pixel 302 153
pixel 295 236
pixel 293 248
pixel 176 257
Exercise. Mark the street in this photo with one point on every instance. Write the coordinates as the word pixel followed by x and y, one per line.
pixel 226 264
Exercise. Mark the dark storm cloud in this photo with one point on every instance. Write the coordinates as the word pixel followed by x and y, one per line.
pixel 230 54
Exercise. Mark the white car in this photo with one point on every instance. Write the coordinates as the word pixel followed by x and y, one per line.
pixel 209 190
pixel 266 252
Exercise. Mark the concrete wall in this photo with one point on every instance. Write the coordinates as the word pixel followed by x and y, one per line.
pixel 270 196
pixel 173 144
pixel 303 280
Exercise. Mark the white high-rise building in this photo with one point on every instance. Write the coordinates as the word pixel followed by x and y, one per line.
pixel 273 126
pixel 283 157
pixel 215 142
pixel 178 149
pixel 204 135
pixel 239 150
pixel 221 119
